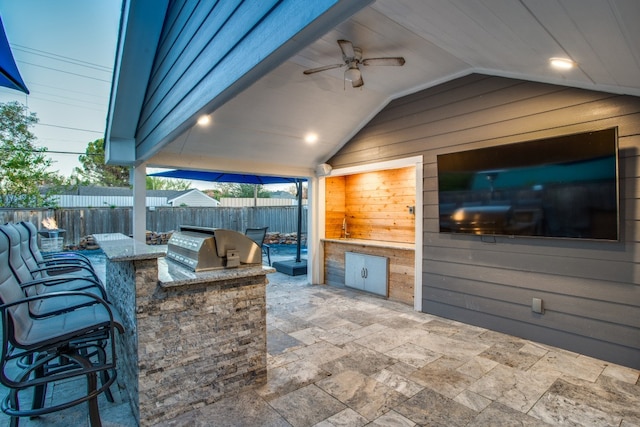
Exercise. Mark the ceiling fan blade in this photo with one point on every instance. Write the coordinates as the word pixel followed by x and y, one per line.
pixel 326 67
pixel 384 61
pixel 358 83
pixel 347 48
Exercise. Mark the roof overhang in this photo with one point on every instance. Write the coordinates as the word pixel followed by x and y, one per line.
pixel 140 29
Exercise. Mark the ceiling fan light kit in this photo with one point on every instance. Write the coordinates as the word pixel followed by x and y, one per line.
pixel 352 57
pixel 352 74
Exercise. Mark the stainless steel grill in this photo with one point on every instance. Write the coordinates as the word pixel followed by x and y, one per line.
pixel 202 248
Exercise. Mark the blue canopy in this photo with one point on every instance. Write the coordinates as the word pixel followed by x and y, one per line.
pixel 225 177
pixel 243 179
pixel 9 74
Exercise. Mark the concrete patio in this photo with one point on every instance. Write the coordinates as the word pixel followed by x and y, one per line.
pixel 338 357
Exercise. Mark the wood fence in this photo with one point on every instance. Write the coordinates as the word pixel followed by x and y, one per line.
pixel 80 222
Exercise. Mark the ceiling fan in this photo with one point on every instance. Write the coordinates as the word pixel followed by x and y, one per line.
pixel 352 57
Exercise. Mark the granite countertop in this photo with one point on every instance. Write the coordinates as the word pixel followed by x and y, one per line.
pixel 118 247
pixel 172 274
pixel 375 243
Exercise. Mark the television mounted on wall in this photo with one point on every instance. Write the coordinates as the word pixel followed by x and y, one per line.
pixel 560 187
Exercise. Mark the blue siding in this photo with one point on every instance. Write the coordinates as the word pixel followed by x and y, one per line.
pixel 187 53
pixel 210 51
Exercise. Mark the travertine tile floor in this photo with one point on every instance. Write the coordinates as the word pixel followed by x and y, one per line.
pixel 338 357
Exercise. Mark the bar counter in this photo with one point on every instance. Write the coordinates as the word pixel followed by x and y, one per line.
pixel 191 338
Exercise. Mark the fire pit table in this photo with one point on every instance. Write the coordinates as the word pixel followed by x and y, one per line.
pixel 51 239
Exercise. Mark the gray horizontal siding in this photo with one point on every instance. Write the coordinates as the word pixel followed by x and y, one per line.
pixel 590 290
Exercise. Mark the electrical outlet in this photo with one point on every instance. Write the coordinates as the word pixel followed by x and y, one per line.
pixel 536 306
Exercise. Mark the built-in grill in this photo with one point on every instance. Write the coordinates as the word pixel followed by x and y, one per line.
pixel 203 248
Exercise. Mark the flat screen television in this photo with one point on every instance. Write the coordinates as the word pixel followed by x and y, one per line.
pixel 560 187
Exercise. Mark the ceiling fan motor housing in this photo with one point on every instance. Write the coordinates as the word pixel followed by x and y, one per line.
pixel 352 58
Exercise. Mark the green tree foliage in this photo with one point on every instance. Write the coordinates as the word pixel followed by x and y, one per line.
pixel 294 190
pixel 23 166
pixel 95 172
pixel 214 193
pixel 157 183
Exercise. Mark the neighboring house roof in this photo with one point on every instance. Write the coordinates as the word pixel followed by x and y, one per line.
pixel 169 194
pixel 94 195
pixel 192 198
pixel 90 190
pixel 94 190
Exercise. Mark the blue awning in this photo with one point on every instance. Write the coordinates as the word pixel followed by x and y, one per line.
pixel 9 74
pixel 225 177
pixel 243 179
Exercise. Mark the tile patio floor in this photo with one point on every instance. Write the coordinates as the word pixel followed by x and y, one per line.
pixel 338 357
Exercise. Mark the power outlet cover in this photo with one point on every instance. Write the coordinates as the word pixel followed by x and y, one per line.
pixel 536 306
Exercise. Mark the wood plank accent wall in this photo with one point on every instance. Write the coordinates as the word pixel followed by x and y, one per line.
pixel 401 267
pixel 375 205
pixel 335 206
pixel 590 290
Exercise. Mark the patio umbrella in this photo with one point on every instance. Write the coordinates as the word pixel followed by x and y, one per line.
pixel 9 74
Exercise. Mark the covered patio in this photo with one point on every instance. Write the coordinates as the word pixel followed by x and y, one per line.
pixel 476 75
pixel 339 357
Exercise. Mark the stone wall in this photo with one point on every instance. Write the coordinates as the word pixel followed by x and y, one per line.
pixel 122 280
pixel 198 343
pixel 187 346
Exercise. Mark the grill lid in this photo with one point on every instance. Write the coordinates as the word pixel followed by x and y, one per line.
pixel 202 248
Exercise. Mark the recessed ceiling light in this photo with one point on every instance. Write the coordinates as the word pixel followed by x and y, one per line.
pixel 311 138
pixel 562 63
pixel 204 120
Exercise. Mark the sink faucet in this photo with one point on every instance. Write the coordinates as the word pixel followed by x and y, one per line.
pixel 344 227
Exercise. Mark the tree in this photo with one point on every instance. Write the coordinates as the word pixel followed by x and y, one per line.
pixel 157 183
pixel 95 171
pixel 23 166
pixel 294 190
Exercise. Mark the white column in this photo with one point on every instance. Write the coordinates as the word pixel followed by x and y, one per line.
pixel 315 218
pixel 139 202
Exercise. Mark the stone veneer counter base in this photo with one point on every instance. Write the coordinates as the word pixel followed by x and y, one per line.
pixel 191 338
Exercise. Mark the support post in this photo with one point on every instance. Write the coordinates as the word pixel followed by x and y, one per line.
pixel 139 203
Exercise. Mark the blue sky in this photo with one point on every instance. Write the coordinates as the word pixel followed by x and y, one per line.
pixel 65 51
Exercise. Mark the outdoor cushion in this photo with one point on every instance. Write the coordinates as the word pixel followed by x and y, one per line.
pixel 32 333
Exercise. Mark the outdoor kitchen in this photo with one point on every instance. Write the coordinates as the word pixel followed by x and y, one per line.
pixel 195 317
pixel 371 216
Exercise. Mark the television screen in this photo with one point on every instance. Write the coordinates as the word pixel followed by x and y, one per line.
pixel 564 187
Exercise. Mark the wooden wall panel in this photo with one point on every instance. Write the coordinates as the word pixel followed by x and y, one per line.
pixel 590 290
pixel 334 206
pixel 401 267
pixel 375 205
